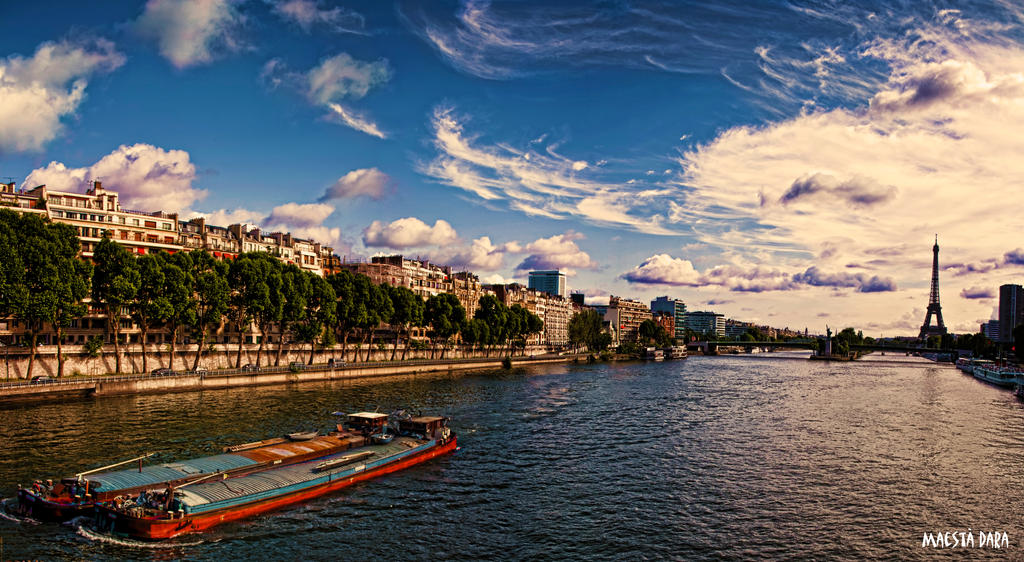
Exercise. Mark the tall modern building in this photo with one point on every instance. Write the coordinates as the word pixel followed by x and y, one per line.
pixel 1011 311
pixel 672 307
pixel 706 323
pixel 551 282
pixel 990 330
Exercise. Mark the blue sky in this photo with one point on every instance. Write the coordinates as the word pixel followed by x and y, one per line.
pixel 787 163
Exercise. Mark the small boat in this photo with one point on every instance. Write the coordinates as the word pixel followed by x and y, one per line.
pixel 303 435
pixel 204 503
pixel 654 354
pixel 382 438
pixel 675 352
pixel 78 494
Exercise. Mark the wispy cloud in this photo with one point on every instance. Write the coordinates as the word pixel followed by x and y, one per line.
pixel 38 91
pixel 538 183
pixel 335 79
pixel 501 41
pixel 309 14
pixel 340 114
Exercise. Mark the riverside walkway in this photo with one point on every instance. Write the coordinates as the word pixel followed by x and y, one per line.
pixel 186 381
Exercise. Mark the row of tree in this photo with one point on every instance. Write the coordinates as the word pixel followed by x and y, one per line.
pixel 45 285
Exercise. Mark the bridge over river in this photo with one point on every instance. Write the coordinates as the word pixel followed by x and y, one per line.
pixel 711 345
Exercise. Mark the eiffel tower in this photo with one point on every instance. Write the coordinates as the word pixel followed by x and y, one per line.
pixel 933 300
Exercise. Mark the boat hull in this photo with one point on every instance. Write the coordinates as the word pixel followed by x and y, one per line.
pixel 41 509
pixel 273 452
pixel 159 529
pixel 1005 379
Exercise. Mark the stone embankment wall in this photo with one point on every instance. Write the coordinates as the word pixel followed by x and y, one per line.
pixel 141 384
pixel 14 363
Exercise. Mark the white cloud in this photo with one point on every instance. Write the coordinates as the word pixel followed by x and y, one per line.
pixel 557 252
pixel 302 220
pixel 365 182
pixel 663 269
pixel 147 177
pixel 931 148
pixel 480 255
pixel 227 217
pixel 409 232
pixel 191 32
pixel 309 13
pixel 37 92
pixel 342 76
pixel 300 214
pixel 497 279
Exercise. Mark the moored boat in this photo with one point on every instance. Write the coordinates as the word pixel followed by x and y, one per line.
pixel 675 352
pixel 654 354
pixel 991 373
pixel 205 502
pixel 78 494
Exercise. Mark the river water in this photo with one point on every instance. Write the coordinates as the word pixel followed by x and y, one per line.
pixel 708 458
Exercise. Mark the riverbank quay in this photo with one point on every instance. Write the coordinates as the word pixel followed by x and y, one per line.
pixel 117 385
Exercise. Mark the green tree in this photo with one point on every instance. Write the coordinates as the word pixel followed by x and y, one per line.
pixel 12 270
pixel 74 282
pixel 151 306
pixel 249 294
pixel 534 325
pixel 378 309
pixel 295 288
pixel 273 308
pixel 350 311
pixel 42 280
pixel 446 316
pixel 179 287
pixel 115 281
pixel 406 311
pixel 651 332
pixel 211 298
pixel 476 332
pixel 585 329
pixel 319 316
pixel 495 314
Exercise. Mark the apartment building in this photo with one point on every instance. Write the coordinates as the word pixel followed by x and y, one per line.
pixel 98 211
pixel 624 317
pixel 555 311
